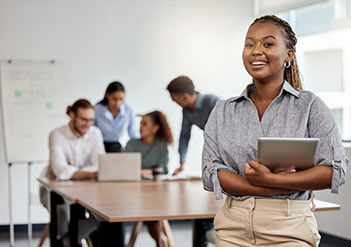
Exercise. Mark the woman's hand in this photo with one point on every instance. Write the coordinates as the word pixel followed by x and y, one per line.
pixel 256 173
pixel 259 175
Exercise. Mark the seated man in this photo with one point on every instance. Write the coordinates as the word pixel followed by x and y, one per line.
pixel 74 150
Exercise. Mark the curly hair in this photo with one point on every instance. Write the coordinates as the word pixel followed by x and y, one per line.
pixel 292 73
pixel 164 132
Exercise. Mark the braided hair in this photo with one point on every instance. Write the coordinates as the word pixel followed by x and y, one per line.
pixel 291 74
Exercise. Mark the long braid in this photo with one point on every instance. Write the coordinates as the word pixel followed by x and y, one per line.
pixel 291 74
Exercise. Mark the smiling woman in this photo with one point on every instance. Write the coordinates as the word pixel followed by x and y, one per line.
pixel 267 43
pixel 265 53
pixel 260 203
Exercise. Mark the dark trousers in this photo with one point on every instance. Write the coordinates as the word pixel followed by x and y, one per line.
pixel 108 234
pixel 112 147
pixel 201 226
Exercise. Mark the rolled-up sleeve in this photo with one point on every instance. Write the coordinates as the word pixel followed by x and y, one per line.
pixel 211 158
pixel 163 158
pixel 330 149
pixel 184 138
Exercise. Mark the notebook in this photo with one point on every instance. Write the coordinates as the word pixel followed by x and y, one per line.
pixel 119 167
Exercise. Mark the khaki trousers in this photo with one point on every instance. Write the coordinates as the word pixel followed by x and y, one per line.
pixel 266 222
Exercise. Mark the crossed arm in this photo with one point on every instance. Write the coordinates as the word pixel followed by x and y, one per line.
pixel 260 181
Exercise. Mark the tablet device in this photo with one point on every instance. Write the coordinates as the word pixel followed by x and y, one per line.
pixel 282 154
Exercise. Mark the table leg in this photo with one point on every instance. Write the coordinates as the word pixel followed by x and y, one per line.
pixel 136 229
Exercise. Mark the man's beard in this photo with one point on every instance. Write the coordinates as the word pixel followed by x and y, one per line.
pixel 77 129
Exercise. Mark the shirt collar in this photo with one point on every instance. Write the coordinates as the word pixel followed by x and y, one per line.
pixel 288 88
pixel 199 101
pixel 122 109
pixel 249 88
pixel 108 114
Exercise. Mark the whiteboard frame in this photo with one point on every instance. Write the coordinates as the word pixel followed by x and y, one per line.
pixel 5 138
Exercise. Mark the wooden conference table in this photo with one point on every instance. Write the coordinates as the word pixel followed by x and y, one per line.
pixel 134 201
pixel 143 200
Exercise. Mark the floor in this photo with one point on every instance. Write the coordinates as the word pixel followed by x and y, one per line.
pixel 182 231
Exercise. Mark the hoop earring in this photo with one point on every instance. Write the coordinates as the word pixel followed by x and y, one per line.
pixel 287 64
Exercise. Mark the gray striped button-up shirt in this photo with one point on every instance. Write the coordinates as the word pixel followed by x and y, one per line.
pixel 233 128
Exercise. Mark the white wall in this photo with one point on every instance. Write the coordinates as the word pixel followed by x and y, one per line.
pixel 144 44
pixel 337 223
pixel 338 96
pixel 274 6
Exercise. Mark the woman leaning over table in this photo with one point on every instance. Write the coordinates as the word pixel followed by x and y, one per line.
pixel 262 208
pixel 153 145
pixel 114 117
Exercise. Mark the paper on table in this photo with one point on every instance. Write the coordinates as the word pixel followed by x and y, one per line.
pixel 170 177
pixel 179 177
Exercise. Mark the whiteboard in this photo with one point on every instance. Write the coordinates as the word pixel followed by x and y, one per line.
pixel 32 105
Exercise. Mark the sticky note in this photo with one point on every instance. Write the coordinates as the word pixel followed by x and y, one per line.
pixel 18 94
pixel 48 105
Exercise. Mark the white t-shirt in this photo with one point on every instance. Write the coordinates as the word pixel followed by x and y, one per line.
pixel 69 153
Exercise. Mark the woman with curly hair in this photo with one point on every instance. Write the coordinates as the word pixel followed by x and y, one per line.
pixel 153 145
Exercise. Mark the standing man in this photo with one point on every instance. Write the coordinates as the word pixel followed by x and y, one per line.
pixel 196 110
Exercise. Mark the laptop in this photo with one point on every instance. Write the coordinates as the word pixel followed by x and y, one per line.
pixel 119 167
pixel 283 154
